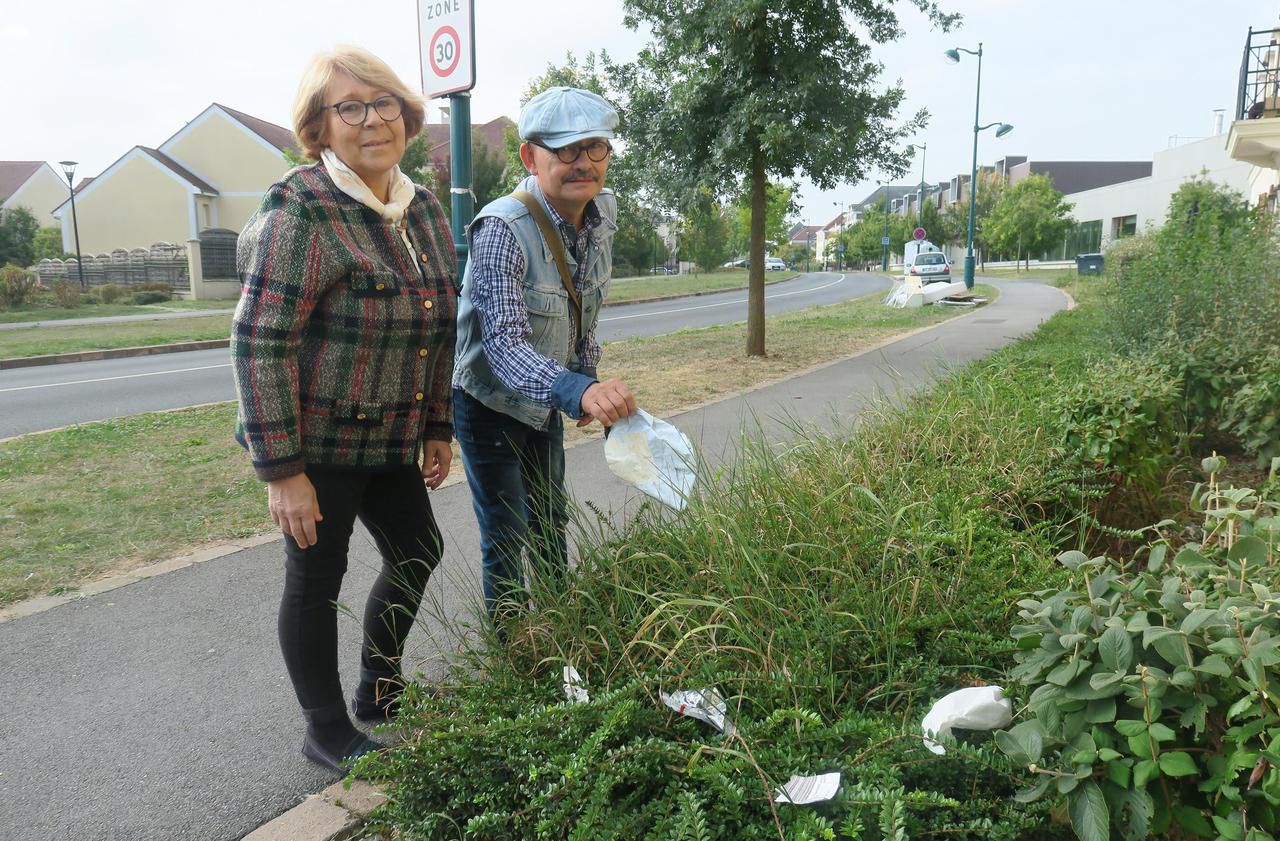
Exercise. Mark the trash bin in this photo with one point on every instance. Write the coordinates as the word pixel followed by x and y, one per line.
pixel 1088 264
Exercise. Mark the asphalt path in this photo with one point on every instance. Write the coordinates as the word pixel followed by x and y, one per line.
pixel 161 710
pixel 51 396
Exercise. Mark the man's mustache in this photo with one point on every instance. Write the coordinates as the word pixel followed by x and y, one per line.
pixel 581 176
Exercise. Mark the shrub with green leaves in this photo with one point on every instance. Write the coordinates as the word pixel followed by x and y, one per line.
pixel 17 286
pixel 1154 683
pixel 1124 417
pixel 66 293
pixel 1252 413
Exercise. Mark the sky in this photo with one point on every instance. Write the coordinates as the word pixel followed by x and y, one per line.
pixel 1078 80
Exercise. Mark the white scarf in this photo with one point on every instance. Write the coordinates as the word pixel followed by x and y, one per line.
pixel 402 190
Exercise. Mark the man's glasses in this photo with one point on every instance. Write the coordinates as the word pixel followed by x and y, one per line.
pixel 353 112
pixel 597 151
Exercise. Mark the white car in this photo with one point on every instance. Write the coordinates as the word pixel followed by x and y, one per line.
pixel 930 267
pixel 775 264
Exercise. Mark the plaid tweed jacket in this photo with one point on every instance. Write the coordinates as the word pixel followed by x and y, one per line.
pixel 342 343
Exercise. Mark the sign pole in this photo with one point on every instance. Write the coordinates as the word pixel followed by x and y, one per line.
pixel 462 199
pixel 447 52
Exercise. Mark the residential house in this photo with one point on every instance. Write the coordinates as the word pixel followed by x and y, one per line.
pixel 212 173
pixel 1254 138
pixel 493 134
pixel 33 185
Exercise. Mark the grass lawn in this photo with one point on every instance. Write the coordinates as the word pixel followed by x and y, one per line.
pixel 105 497
pixel 1007 273
pixel 42 340
pixel 627 289
pixel 43 311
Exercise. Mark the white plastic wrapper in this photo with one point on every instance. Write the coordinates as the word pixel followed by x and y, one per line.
pixel 801 790
pixel 575 688
pixel 702 704
pixel 975 708
pixel 652 455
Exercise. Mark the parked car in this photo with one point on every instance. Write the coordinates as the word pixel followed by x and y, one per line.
pixel 664 270
pixel 736 264
pixel 775 264
pixel 930 267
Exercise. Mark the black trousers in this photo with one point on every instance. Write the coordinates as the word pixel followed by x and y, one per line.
pixel 394 508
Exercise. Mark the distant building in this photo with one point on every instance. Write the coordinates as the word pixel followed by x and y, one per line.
pixel 493 135
pixel 1254 138
pixel 33 185
pixel 211 174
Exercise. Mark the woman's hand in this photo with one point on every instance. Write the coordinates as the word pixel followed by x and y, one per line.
pixel 294 508
pixel 436 458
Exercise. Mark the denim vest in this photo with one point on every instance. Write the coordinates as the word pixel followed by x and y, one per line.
pixel 546 302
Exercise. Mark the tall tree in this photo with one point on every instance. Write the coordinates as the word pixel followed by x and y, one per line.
pixel 704 232
pixel 778 208
pixel 728 92
pixel 488 173
pixel 17 237
pixel 1031 217
pixel 955 217
pixel 47 243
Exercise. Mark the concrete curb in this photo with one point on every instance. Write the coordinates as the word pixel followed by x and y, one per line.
pixel 113 353
pixel 335 814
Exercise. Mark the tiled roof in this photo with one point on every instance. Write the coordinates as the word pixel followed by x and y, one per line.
pixel 13 174
pixel 180 170
pixel 278 136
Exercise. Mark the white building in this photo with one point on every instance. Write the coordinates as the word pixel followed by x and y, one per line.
pixel 1105 214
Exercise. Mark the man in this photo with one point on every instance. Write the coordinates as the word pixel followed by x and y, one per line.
pixel 527 349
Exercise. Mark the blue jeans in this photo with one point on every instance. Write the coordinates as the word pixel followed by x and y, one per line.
pixel 516 474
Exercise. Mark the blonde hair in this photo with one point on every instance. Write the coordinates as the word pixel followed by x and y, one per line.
pixel 364 67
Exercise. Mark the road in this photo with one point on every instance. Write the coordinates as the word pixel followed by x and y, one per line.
pixel 160 711
pixel 47 397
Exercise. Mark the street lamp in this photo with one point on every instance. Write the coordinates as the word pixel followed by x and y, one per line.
pixel 69 169
pixel 884 242
pixel 920 192
pixel 1001 130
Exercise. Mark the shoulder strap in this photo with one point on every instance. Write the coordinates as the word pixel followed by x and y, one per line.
pixel 556 244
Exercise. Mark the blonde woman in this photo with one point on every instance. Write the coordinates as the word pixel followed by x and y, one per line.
pixel 342 347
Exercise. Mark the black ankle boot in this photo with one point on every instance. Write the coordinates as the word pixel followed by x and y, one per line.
pixel 338 758
pixel 377 699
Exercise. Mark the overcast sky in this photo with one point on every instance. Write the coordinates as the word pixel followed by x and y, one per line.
pixel 1079 80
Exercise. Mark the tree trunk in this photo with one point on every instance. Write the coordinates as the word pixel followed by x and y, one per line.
pixel 755 275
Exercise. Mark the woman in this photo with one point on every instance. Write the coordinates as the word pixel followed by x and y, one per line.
pixel 343 353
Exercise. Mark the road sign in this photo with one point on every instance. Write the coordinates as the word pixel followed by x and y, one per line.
pixel 884 240
pixel 918 233
pixel 446 46
pixel 840 248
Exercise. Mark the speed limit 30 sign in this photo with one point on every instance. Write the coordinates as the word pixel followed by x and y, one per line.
pixel 446 44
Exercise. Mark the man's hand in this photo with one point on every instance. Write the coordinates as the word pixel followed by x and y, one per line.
pixel 436 458
pixel 607 402
pixel 294 508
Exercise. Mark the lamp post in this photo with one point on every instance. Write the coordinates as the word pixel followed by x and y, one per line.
pixel 69 169
pixel 920 191
pixel 1001 131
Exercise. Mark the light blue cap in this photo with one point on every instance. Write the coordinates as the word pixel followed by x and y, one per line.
pixel 561 116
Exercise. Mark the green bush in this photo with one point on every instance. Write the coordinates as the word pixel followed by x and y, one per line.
pixel 17 286
pixel 110 293
pixel 1123 254
pixel 1213 269
pixel 1124 417
pixel 1252 413
pixel 154 297
pixel 1151 682
pixel 66 293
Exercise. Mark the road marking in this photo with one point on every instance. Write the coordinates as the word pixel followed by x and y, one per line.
pixel 109 379
pixel 726 303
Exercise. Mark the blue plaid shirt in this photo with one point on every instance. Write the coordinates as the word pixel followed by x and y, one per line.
pixel 497 293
